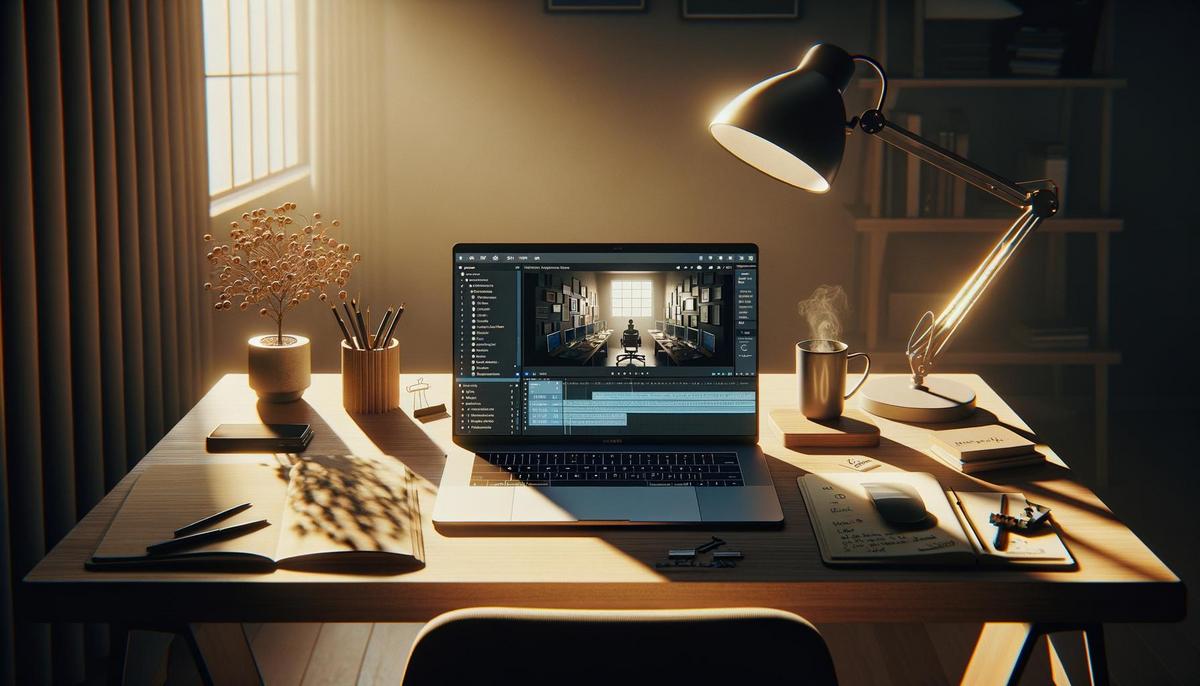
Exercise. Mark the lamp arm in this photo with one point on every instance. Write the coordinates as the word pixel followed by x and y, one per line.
pixel 929 340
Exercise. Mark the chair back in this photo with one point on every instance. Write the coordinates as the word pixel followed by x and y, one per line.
pixel 495 645
pixel 631 339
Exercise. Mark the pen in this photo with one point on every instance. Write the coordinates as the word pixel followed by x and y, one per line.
pixel 392 326
pixel 1001 540
pixel 350 320
pixel 379 344
pixel 173 544
pixel 211 519
pixel 341 324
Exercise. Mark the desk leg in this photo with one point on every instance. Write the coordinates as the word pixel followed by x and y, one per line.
pixel 223 654
pixel 1001 653
pixel 1003 650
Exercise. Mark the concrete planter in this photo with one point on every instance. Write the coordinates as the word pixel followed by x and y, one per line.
pixel 280 373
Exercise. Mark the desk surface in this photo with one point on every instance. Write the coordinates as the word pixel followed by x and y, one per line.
pixel 1118 579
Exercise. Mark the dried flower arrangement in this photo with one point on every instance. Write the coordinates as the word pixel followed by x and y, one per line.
pixel 271 264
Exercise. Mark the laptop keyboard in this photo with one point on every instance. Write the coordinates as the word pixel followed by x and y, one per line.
pixel 606 469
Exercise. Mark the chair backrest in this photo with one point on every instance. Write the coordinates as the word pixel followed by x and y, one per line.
pixel 495 645
pixel 631 338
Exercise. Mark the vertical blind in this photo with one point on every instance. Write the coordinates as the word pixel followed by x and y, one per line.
pixel 103 327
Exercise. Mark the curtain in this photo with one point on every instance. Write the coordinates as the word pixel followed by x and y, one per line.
pixel 103 326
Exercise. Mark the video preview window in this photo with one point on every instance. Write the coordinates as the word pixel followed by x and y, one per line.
pixel 627 318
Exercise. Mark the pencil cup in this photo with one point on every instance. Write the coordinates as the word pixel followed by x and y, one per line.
pixel 371 378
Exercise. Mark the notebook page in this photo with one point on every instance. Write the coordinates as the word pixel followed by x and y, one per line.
pixel 849 527
pixel 1044 545
pixel 345 503
pixel 167 497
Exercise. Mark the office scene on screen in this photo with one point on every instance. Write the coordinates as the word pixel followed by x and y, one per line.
pixel 653 318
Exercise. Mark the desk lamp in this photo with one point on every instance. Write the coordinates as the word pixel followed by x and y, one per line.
pixel 793 127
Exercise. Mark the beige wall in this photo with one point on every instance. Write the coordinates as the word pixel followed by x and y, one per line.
pixel 506 123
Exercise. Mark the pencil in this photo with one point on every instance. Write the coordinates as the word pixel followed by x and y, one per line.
pixel 379 344
pixel 362 327
pixel 392 326
pixel 183 542
pixel 350 319
pixel 341 325
pixel 1001 540
pixel 211 519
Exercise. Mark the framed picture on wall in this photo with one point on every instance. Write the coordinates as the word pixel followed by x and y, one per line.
pixel 551 296
pixel 705 294
pixel 595 5
pixel 575 286
pixel 715 315
pixel 696 291
pixel 566 289
pixel 583 291
pixel 693 320
pixel 574 305
pixel 689 305
pixel 704 309
pixel 556 307
pixel 716 293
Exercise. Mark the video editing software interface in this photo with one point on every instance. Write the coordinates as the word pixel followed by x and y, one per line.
pixel 583 341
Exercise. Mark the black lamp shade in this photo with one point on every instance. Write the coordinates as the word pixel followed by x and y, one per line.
pixel 792 126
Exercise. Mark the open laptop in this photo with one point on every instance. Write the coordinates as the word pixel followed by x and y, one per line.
pixel 574 413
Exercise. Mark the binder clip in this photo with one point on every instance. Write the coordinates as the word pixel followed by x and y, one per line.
pixel 417 391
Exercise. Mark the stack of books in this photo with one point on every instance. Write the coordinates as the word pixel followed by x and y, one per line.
pixel 977 449
pixel 1037 51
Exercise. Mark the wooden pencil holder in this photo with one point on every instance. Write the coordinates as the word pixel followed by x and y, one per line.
pixel 371 378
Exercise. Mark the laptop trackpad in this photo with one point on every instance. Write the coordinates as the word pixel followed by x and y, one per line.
pixel 585 503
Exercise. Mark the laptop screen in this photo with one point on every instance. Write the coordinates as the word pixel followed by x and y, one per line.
pixel 512 381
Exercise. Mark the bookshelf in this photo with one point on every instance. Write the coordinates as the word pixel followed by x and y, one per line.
pixel 878 230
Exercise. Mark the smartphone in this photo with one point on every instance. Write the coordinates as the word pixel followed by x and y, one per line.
pixel 253 438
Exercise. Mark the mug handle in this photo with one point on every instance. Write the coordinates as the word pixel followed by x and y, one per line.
pixel 861 379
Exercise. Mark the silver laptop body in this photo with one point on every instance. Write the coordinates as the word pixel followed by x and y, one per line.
pixel 605 384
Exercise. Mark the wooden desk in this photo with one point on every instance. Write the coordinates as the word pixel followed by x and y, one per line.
pixel 1118 579
pixel 595 344
pixel 672 353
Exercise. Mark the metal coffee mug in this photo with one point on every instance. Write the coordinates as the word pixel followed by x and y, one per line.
pixel 821 373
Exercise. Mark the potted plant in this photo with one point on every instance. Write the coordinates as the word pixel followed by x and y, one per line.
pixel 274 265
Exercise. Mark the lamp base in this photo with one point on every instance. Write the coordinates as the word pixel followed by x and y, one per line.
pixel 941 400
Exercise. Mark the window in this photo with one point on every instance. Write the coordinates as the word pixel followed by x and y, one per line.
pixel 631 299
pixel 254 92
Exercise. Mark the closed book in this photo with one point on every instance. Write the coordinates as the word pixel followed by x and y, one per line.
pixel 975 443
pixel 986 465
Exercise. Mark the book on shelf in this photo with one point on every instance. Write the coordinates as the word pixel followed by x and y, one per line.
pixel 1052 336
pixel 325 512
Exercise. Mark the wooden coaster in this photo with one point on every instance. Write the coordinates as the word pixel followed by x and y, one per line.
pixel 854 429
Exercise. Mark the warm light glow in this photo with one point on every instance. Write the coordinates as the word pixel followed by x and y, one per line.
pixel 253 90
pixel 768 158
pixel 631 298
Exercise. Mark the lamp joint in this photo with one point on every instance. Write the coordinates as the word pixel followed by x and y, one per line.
pixel 872 121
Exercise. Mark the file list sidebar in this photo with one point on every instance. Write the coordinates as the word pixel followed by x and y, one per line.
pixel 487 349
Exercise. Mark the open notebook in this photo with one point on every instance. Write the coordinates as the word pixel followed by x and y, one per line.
pixel 850 530
pixel 336 512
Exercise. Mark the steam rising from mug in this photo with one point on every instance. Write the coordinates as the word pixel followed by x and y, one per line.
pixel 821 312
